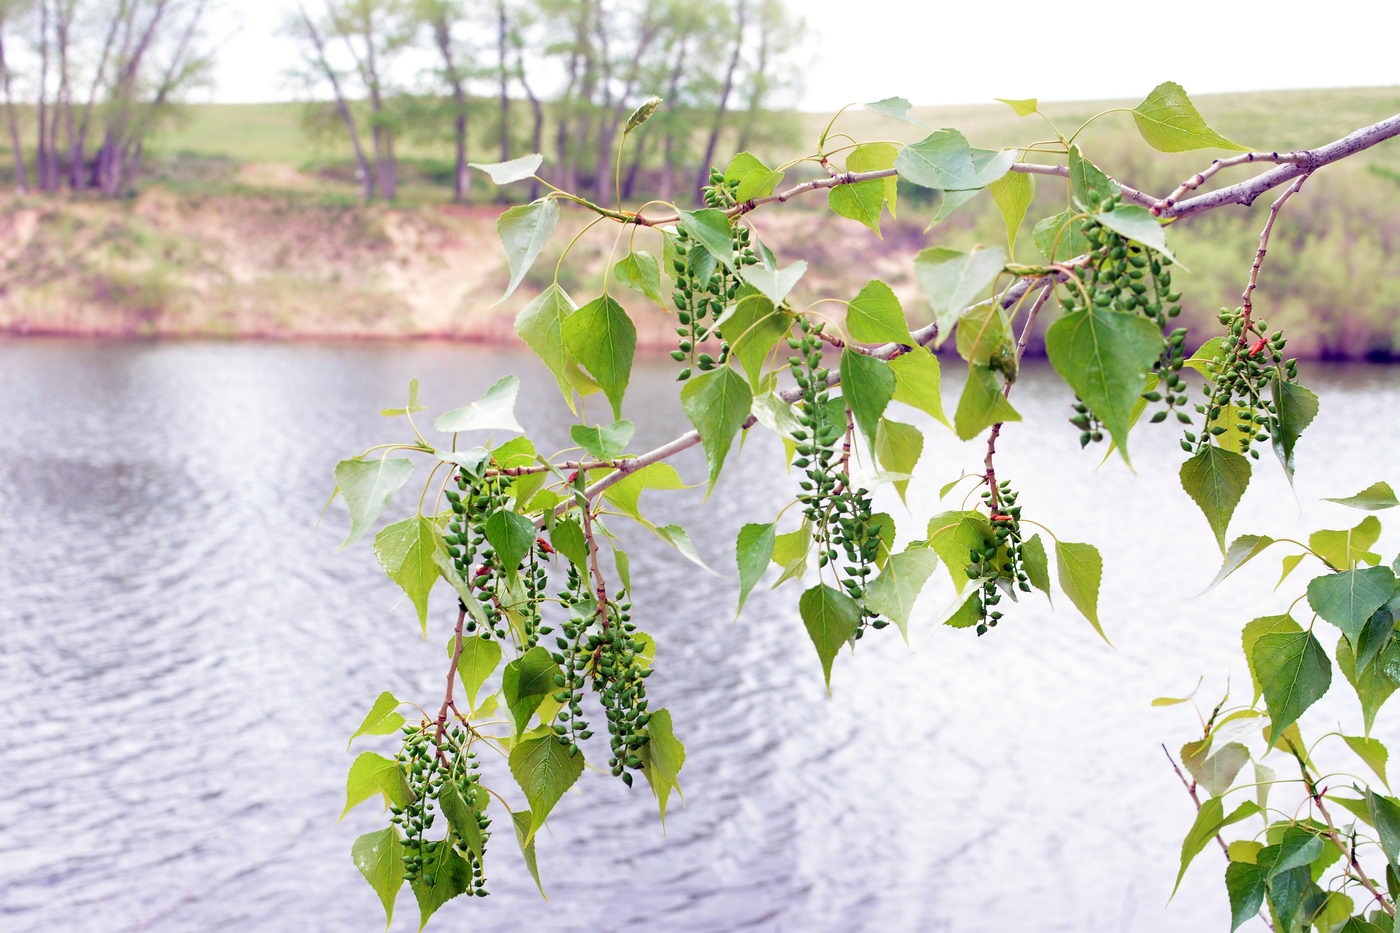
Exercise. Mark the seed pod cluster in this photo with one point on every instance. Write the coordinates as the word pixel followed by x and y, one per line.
pixel 477 496
pixel 1238 386
pixel 430 765
pixel 705 287
pixel 1000 564
pixel 840 517
pixel 1124 275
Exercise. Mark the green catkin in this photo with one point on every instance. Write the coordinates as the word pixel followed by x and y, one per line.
pixel 1239 386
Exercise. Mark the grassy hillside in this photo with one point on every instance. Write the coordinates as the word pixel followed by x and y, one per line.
pixel 248 229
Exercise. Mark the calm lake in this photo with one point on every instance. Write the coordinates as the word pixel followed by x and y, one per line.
pixel 183 654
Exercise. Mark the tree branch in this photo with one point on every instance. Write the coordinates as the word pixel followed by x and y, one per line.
pixel 1246 299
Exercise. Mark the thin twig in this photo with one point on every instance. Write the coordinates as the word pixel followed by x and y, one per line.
pixel 1246 299
pixel 1200 178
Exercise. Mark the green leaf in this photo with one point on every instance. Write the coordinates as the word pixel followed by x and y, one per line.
pixel 406 551
pixel 381 719
pixel 1087 184
pixel 604 443
pixel 1060 236
pixel 1373 498
pixel 544 769
pixel 503 173
pixel 862 201
pixel 379 857
pixel 1341 548
pixel 717 404
pixel 1209 821
pixel 953 536
pixel 602 337
pixel 867 384
pixel 1371 751
pixel 1240 552
pixel 893 592
pixel 755 179
pixel 511 535
pixel 753 328
pixel 898 447
pixel 753 551
pixel 539 324
pixel 946 202
pixel 984 336
pixel 952 280
pixel 372 774
pixel 1105 356
pixel 1216 479
pixel 626 493
pixel 1385 816
pixel 414 405
pixel 639 270
pixel 1169 122
pixel 1347 599
pixel 451 874
pixel 642 114
pixel 567 538
pixel 662 756
pixel 1036 563
pixel 1372 684
pixel 524 230
pixel 494 411
pixel 477 661
pixel 917 382
pixel 367 486
pixel 1217 771
pixel 1245 885
pixel 775 284
pixel 679 538
pixel 1293 673
pixel 1297 407
pixel 831 618
pixel 982 404
pixel 943 160
pixel 1080 572
pixel 875 316
pixel 712 230
pixel 895 107
pixel 1296 848
pixel 524 821
pixel 526 682
pixel 1024 107
pixel 1136 223
pixel 1013 193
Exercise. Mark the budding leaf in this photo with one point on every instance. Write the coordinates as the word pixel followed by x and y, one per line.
pixel 526 682
pixel 867 385
pixel 367 486
pixel 1037 564
pixel 640 270
pixel 917 382
pixel 1013 193
pixel 381 719
pixel 523 821
pixel 478 659
pixel 982 404
pixel 406 550
pixel 372 774
pixel 1024 107
pixel 524 230
pixel 753 551
pixel 1210 820
pixel 494 411
pixel 876 316
pixel 1169 122
pixel 451 874
pixel 1293 673
pixel 503 173
pixel 1216 479
pixel 379 857
pixel 642 114
pixel 1080 572
pixel 414 405
pixel 544 769
pixel 717 404
pixel 892 594
pixel 1373 498
pixel 662 756
pixel 603 338
pixel 1371 751
pixel 898 447
pixel 755 180
pixel 831 618
pixel 604 443
pixel 1347 599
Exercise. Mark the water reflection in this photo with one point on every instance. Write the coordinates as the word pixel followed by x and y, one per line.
pixel 183 654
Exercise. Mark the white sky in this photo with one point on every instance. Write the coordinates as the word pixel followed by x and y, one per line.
pixel 969 51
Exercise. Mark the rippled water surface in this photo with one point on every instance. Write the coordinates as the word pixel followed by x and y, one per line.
pixel 184 654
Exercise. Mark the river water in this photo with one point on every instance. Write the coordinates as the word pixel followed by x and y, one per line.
pixel 183 654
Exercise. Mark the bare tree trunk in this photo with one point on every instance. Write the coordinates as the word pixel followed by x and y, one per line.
pixel 63 103
pixel 668 177
pixel 536 108
pixel 503 74
pixel 702 177
pixel 461 177
pixel 588 86
pixel 567 102
pixel 77 154
pixel 41 161
pixel 383 135
pixel 352 130
pixel 21 174
pixel 759 86
pixel 614 115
